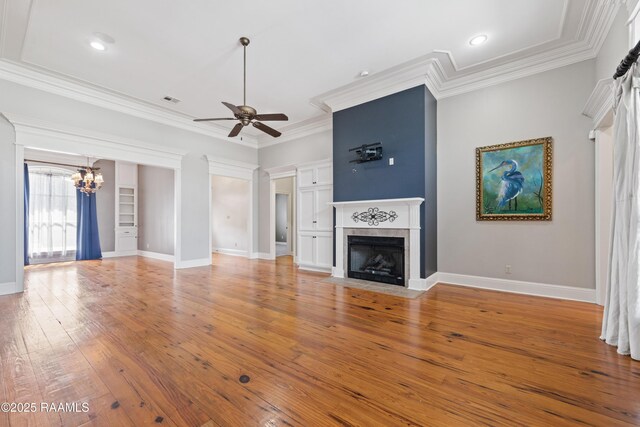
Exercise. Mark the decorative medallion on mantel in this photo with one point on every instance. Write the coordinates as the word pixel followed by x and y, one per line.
pixel 374 216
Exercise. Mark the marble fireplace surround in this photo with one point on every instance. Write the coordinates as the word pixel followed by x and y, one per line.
pixel 393 218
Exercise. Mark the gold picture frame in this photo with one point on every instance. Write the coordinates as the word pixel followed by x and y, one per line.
pixel 514 181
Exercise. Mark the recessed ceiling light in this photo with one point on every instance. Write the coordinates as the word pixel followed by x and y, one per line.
pixel 98 45
pixel 364 73
pixel 478 40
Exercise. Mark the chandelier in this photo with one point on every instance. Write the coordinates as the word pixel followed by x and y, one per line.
pixel 87 180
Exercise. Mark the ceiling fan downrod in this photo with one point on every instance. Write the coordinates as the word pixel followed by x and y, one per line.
pixel 244 41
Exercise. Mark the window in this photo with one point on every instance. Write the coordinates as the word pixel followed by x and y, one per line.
pixel 52 215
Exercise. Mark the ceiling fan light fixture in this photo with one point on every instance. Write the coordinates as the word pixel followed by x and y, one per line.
pixel 245 114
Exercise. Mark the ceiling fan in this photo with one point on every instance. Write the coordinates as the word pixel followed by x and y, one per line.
pixel 246 114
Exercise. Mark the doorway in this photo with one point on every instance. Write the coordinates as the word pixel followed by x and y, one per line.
pixel 283 225
pixel 284 216
pixel 230 215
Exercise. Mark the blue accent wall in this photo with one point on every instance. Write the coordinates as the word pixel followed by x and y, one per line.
pixel 405 124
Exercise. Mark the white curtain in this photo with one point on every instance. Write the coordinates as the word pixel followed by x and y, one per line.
pixel 52 214
pixel 621 320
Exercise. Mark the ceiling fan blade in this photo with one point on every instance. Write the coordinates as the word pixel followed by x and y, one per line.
pixel 274 117
pixel 266 129
pixel 208 120
pixel 233 108
pixel 236 130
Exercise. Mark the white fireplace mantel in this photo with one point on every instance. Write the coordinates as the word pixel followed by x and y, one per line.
pixel 388 214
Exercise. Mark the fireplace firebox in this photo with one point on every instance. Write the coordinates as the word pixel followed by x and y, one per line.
pixel 379 259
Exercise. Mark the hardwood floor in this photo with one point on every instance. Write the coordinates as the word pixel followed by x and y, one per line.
pixel 146 345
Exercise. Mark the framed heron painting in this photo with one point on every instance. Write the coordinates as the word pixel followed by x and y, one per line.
pixel 513 181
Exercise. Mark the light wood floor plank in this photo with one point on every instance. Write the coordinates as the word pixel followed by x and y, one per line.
pixel 145 344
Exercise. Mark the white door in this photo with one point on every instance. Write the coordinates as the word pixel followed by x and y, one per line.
pixel 127 241
pixel 324 175
pixel 306 204
pixel 305 177
pixel 324 250
pixel 305 249
pixel 324 211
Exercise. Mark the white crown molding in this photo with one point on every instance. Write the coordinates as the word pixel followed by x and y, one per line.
pixel 519 287
pixel 231 168
pixel 281 171
pixel 58 157
pixel 600 102
pixel 385 83
pixel 431 69
pixel 299 130
pixel 38 79
pixel 43 135
pixel 437 70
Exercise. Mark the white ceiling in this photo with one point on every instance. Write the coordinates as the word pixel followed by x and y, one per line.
pixel 300 49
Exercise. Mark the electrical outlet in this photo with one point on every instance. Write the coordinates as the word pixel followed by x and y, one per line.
pixel 147 246
pixel 391 161
pixel 507 269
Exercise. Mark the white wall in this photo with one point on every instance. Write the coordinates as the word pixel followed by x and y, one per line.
pixel 194 224
pixel 106 204
pixel 615 46
pixel 156 209
pixel 33 103
pixel 311 148
pixel 229 213
pixel 7 207
pixel 59 111
pixel 548 104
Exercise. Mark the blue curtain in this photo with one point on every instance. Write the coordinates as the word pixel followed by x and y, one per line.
pixel 88 240
pixel 26 214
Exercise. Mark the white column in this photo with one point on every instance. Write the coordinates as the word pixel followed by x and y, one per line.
pixel 338 270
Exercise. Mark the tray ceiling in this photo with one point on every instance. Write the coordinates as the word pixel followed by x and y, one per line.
pixel 304 57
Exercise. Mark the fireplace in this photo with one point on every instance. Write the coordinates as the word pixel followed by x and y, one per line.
pixel 386 219
pixel 374 258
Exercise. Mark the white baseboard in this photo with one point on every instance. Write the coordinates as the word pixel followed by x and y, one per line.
pixel 119 254
pixel 315 268
pixel 281 243
pixel 423 284
pixel 519 287
pixel 156 255
pixel 264 255
pixel 337 272
pixel 431 280
pixel 8 288
pixel 110 254
pixel 202 262
pixel 233 252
